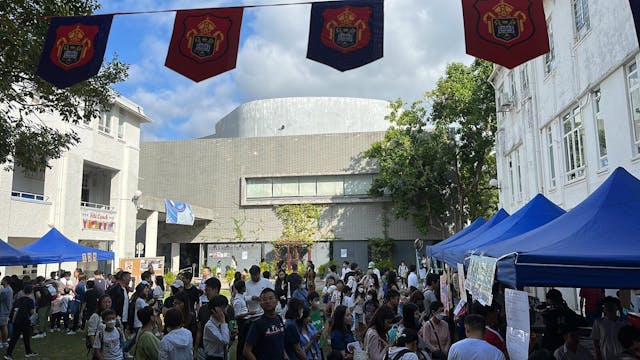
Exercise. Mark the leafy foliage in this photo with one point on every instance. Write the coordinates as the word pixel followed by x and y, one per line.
pixel 300 222
pixel 437 158
pixel 24 138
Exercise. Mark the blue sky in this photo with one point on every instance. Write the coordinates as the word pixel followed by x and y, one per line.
pixel 421 37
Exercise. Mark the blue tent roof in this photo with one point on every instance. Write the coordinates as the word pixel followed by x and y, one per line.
pixel 11 256
pixel 474 225
pixel 535 213
pixel 596 244
pixel 438 251
pixel 60 249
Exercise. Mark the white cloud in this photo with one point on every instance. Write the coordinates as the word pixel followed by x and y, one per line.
pixel 421 37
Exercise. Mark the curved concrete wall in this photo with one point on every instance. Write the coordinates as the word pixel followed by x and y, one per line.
pixel 304 116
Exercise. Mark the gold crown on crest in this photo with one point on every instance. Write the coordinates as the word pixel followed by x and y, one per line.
pixel 76 35
pixel 503 9
pixel 206 26
pixel 346 17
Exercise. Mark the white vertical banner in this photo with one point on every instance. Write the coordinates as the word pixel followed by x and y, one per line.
pixel 518 324
pixel 463 292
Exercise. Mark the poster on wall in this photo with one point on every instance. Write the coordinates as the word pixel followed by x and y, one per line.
pixel 518 326
pixel 98 220
pixel 178 213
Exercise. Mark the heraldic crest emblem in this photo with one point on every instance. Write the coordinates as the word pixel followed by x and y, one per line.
pixel 205 38
pixel 73 46
pixel 346 29
pixel 504 23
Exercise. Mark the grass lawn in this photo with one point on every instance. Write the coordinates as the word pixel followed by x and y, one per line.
pixel 56 345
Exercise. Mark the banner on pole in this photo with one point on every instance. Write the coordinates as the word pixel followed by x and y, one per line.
pixel 346 34
pixel 74 49
pixel 204 42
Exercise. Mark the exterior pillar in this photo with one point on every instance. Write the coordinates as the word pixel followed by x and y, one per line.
pixel 151 235
pixel 175 257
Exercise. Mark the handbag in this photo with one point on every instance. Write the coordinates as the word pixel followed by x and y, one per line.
pixel 438 354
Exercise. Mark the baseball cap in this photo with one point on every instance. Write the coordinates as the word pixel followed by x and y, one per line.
pixel 372 264
pixel 177 284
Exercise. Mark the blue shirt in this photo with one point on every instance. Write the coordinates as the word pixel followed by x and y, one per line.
pixel 266 336
pixel 304 340
pixel 291 338
pixel 339 340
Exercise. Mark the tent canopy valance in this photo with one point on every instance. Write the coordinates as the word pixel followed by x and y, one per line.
pixel 58 248
pixel 596 244
pixel 11 256
pixel 473 226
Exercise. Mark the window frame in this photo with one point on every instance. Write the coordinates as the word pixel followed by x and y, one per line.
pixel 105 122
pixel 551 152
pixel 581 22
pixel 122 117
pixel 573 144
pixel 630 89
pixel 599 122
pixel 550 57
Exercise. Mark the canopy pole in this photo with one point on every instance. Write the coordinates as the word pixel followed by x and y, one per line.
pixel 45 270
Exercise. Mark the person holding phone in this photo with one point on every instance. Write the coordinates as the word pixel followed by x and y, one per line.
pixel 216 335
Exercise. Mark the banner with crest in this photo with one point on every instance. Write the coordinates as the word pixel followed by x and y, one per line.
pixel 505 32
pixel 346 34
pixel 204 42
pixel 74 49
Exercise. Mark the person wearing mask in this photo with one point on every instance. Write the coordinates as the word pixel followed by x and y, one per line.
pixel 265 339
pixel 340 331
pixel 255 286
pixel 375 339
pixel 316 315
pixel 107 343
pixel 6 302
pixel 605 330
pixel 24 308
pixel 301 293
pixel 435 332
pixel 147 344
pixel 94 324
pixel 292 346
pixel 216 337
pixel 309 336
pixel 474 347
pixel 178 343
pixel 242 313
pixel 406 347
pixel 370 306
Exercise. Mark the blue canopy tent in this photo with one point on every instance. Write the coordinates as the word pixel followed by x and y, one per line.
pixel 438 251
pixel 596 244
pixel 474 225
pixel 11 256
pixel 60 249
pixel 535 213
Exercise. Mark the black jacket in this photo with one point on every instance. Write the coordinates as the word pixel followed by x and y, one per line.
pixel 117 299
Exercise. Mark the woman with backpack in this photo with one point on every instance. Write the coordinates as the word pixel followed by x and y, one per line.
pixel 340 330
pixel 406 347
pixel 375 339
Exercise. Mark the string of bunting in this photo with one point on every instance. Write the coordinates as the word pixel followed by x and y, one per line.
pixel 342 34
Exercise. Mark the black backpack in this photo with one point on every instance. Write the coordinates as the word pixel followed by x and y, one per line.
pixel 45 296
pixel 398 355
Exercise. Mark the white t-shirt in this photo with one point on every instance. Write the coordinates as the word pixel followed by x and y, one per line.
pixel 140 303
pixel 239 305
pixel 254 289
pixel 348 302
pixel 94 325
pixel 606 331
pixel 125 305
pixel 109 342
pixel 474 349
pixel 413 280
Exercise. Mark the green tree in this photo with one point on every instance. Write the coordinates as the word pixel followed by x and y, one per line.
pixel 300 222
pixel 24 139
pixel 437 158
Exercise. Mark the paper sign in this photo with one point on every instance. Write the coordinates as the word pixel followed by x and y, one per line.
pixel 463 292
pixel 479 282
pixel 245 255
pixel 518 324
pixel 343 253
pixel 84 257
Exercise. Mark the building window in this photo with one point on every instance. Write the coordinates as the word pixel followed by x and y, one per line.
pixel 513 91
pixel 573 144
pixel 524 81
pixel 105 123
pixel 634 99
pixel 515 175
pixel 122 119
pixel 309 186
pixel 581 17
pixel 549 58
pixel 551 157
pixel 600 138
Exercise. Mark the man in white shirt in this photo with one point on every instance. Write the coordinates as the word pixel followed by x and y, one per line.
pixel 372 266
pixel 412 280
pixel 254 287
pixel 345 270
pixel 474 347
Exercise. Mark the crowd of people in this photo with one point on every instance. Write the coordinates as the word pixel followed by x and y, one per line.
pixel 354 314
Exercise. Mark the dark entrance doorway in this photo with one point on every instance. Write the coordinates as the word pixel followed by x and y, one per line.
pixel 190 258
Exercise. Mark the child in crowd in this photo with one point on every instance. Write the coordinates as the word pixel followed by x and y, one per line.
pixel 106 345
pixel 59 309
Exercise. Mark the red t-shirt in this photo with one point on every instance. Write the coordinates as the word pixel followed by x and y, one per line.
pixel 494 338
pixel 592 299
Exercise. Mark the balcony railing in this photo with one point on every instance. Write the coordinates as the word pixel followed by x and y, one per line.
pixel 91 205
pixel 28 196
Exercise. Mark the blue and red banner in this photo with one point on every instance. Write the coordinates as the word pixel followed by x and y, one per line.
pixel 74 49
pixel 505 32
pixel 346 34
pixel 204 42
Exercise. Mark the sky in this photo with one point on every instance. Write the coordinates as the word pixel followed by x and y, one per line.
pixel 420 38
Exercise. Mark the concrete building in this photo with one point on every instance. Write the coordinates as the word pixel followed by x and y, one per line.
pixel 267 153
pixel 86 194
pixel 567 119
